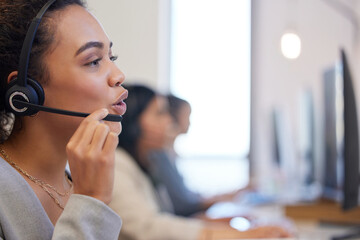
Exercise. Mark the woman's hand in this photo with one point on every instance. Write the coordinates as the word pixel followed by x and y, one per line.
pixel 91 155
pixel 220 231
pixel 267 232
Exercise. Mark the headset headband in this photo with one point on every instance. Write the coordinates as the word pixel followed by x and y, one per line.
pixel 27 45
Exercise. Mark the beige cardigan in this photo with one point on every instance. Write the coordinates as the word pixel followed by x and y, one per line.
pixel 23 217
pixel 135 200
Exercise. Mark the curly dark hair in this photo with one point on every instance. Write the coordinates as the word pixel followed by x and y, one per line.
pixel 15 19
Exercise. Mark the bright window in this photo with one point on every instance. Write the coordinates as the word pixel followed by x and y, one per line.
pixel 210 67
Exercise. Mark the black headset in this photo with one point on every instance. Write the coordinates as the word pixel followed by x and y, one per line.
pixel 25 96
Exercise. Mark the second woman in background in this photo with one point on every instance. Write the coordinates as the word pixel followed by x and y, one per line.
pixel 146 210
pixel 163 165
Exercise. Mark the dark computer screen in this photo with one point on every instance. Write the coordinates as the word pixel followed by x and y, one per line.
pixel 341 168
pixel 351 140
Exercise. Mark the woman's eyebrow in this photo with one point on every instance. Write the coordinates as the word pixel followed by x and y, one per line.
pixel 88 45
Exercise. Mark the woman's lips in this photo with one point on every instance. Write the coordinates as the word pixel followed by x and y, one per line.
pixel 120 106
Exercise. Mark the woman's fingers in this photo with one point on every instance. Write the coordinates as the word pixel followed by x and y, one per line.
pixel 110 143
pixel 99 136
pixel 95 116
pixel 91 155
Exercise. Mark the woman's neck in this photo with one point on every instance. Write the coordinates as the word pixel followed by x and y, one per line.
pixel 37 152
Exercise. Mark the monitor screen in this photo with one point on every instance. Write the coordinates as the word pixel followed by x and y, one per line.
pixel 341 168
pixel 351 140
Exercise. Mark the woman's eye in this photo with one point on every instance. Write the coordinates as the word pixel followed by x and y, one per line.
pixel 93 63
pixel 113 58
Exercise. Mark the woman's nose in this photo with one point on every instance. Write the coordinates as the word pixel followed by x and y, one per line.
pixel 116 77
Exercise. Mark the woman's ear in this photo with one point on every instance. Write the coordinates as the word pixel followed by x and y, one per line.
pixel 12 76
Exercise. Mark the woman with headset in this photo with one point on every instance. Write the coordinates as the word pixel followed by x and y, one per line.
pixel 146 209
pixel 62 60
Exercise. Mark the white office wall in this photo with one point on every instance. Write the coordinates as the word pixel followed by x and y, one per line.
pixel 140 32
pixel 278 82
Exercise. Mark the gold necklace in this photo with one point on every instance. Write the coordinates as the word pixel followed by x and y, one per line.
pixel 45 186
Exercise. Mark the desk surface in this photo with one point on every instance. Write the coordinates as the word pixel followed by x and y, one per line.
pixel 275 214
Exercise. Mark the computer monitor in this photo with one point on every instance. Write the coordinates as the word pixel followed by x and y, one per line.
pixel 351 141
pixel 306 139
pixel 284 154
pixel 341 169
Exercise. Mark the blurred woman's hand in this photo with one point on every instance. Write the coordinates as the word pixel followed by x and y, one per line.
pixel 214 232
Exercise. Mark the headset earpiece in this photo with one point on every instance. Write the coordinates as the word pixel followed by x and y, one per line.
pixel 32 93
pixel 23 88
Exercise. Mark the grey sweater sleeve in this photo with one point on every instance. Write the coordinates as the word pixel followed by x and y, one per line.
pixel 184 201
pixel 87 218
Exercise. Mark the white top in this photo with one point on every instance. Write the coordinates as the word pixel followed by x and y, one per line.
pixel 135 200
